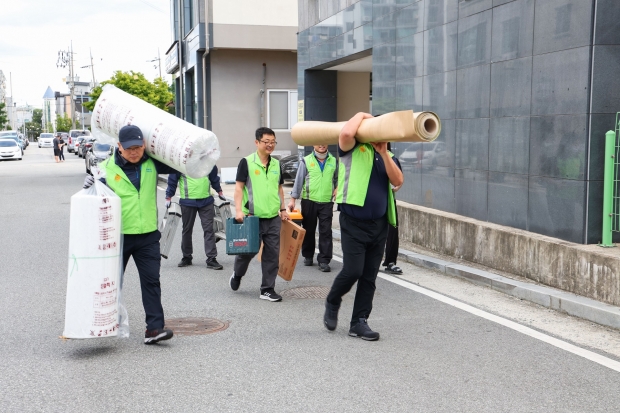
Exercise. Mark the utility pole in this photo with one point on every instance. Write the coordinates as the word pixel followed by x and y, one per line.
pixel 158 60
pixel 72 89
pixel 12 102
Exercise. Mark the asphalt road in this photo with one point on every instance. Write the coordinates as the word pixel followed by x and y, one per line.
pixel 274 357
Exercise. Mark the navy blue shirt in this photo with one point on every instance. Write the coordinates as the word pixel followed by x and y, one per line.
pixel 132 170
pixel 375 204
pixel 173 181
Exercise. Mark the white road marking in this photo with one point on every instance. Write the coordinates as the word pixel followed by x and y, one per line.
pixel 571 348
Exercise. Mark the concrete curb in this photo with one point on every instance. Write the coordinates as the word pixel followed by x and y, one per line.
pixel 552 298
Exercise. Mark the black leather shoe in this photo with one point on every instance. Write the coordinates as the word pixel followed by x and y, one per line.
pixel 363 331
pixel 307 262
pixel 185 262
pixel 330 319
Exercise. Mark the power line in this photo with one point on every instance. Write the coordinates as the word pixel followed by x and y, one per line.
pixel 150 5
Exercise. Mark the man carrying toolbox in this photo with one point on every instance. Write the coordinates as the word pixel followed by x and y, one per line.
pixel 258 192
pixel 195 198
pixel 316 181
pixel 132 175
pixel 366 204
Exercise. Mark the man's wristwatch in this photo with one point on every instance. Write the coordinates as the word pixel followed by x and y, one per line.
pixel 283 209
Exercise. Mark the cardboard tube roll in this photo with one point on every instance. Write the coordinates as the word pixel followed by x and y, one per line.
pixel 402 126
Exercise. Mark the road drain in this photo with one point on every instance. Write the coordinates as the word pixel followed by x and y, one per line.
pixel 306 292
pixel 193 326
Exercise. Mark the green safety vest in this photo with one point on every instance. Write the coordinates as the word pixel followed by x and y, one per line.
pixel 190 188
pixel 354 176
pixel 261 191
pixel 139 209
pixel 319 185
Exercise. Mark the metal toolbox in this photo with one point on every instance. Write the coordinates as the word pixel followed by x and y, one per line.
pixel 242 238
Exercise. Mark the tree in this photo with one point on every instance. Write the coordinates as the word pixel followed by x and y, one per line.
pixel 35 126
pixel 156 93
pixel 3 116
pixel 63 123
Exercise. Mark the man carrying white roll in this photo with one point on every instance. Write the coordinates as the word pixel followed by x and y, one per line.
pixel 132 175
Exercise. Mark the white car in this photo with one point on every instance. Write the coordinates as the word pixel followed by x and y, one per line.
pixel 45 140
pixel 9 149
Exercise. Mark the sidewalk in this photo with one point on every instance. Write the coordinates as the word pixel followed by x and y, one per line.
pixel 572 304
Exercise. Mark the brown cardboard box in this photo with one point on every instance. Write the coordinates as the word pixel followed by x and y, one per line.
pixel 291 238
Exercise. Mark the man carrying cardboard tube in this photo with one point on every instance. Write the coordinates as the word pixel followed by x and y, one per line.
pixel 365 200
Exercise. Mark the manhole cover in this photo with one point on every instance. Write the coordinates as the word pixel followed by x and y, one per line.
pixel 191 326
pixel 306 292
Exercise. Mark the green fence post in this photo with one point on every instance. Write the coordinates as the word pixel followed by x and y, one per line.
pixel 608 189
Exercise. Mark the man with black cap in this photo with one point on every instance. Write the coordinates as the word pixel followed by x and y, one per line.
pixel 132 175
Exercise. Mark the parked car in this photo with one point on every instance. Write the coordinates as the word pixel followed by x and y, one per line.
pixel 289 165
pixel 76 144
pixel 427 154
pixel 13 135
pixel 96 154
pixel 46 140
pixel 10 149
pixel 84 146
pixel 73 134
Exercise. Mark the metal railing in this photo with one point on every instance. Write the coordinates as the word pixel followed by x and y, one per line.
pixel 611 186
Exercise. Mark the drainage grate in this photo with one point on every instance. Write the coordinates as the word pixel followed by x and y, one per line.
pixel 193 326
pixel 306 292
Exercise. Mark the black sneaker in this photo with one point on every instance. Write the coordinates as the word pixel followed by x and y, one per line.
pixel 270 295
pixel 330 319
pixel 155 336
pixel 391 268
pixel 185 262
pixel 363 331
pixel 213 264
pixel 308 262
pixel 324 267
pixel 235 282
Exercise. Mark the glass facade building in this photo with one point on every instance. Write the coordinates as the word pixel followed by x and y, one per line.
pixel 525 89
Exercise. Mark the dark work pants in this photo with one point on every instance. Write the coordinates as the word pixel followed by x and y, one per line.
pixel 269 233
pixel 362 247
pixel 61 155
pixel 144 248
pixel 392 244
pixel 206 214
pixel 323 212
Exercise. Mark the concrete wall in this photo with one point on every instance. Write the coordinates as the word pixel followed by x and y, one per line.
pixel 258 13
pixel 583 270
pixel 353 94
pixel 236 80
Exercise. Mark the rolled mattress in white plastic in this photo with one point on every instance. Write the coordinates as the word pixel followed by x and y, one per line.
pixel 93 282
pixel 179 144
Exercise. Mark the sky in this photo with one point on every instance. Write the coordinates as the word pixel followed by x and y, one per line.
pixel 121 34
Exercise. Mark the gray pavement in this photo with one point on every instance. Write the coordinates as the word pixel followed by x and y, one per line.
pixel 432 356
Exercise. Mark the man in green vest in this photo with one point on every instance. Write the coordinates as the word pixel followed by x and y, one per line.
pixel 366 205
pixel 316 183
pixel 258 192
pixel 132 175
pixel 195 198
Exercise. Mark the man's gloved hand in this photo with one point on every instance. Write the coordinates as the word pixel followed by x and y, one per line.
pixel 168 201
pixel 221 196
pixel 88 181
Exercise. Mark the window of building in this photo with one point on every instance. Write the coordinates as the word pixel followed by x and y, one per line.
pixel 188 16
pixel 281 109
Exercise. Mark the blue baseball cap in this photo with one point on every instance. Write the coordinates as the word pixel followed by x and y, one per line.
pixel 130 135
